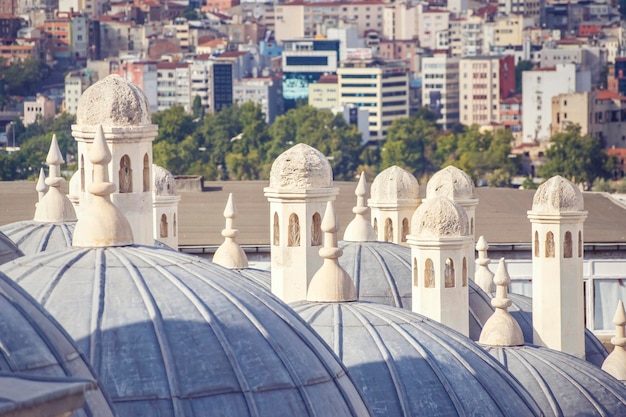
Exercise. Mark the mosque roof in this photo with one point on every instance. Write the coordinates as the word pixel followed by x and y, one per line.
pixel 35 345
pixel 33 237
pixel 8 249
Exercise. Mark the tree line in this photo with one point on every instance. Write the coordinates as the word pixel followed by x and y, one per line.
pixel 236 143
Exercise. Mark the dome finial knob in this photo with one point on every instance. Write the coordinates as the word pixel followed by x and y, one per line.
pixel 102 224
pixel 615 363
pixel 41 186
pixel 360 229
pixel 331 283
pixel 483 276
pixel 501 329
pixel 230 254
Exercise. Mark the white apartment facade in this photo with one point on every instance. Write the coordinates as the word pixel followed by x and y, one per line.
pixel 432 26
pixel 76 82
pixel 379 86
pixel 303 19
pixel 173 86
pixel 440 88
pixel 400 21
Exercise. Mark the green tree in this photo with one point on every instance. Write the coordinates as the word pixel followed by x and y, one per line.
pixel 174 124
pixel 197 109
pixel 24 78
pixel 579 158
pixel 519 70
pixel 411 144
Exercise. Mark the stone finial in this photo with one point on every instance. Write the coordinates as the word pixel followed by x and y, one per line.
pixel 331 283
pixel 54 206
pixel 230 254
pixel 483 276
pixel 501 329
pixel 41 187
pixel 615 363
pixel 360 229
pixel 102 224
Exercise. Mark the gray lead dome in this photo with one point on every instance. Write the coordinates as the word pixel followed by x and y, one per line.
pixel 34 237
pixel 34 344
pixel 173 335
pixel 408 365
pixel 8 249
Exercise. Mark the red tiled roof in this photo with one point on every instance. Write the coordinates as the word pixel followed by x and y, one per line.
pixel 609 95
pixel 232 54
pixel 328 79
pixel 171 65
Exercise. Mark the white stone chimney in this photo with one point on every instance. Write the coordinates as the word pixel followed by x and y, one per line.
pixel 557 218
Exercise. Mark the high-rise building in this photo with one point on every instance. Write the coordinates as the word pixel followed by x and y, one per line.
pixel 379 86
pixel 213 82
pixel 440 88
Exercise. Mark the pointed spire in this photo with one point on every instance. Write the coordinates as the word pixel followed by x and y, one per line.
pixel 331 283
pixel 230 254
pixel 501 329
pixel 483 276
pixel 41 187
pixel 54 206
pixel 615 363
pixel 360 229
pixel 102 224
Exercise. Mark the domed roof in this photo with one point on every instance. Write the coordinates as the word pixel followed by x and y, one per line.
pixel 113 101
pixel 34 344
pixel 301 167
pixel 164 183
pixel 557 195
pixel 382 273
pixel 408 365
pixel 561 384
pixel 169 331
pixel 439 217
pixel 8 249
pixel 394 184
pixel 451 183
pixel 33 237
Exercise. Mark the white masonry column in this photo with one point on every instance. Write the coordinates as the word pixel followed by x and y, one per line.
pixel 394 196
pixel 557 218
pixel 439 247
pixel 453 183
pixel 301 184
pixel 123 111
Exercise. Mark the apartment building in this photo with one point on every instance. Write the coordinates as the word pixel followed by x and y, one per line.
pixel 511 109
pixel 213 82
pixel 509 30
pixel 304 62
pixel 59 30
pixel 539 87
pixel 302 18
pixel 38 107
pixel 324 94
pixel 76 82
pixel 173 85
pixel 526 8
pixel 406 50
pixel 265 91
pixel 432 27
pixel 399 21
pixel 440 88
pixel 484 82
pixel 586 57
pixel 598 113
pixel 379 86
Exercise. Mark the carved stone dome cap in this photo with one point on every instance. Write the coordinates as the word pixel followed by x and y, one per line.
pixel 439 217
pixel 301 167
pixel 113 101
pixel 557 195
pixel 452 183
pixel 394 184
pixel 163 182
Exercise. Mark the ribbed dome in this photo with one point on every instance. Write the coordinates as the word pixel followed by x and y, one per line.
pixel 34 344
pixel 113 101
pixel 439 217
pixel 301 167
pixel 171 334
pixel 8 249
pixel 259 276
pixel 561 384
pixel 557 195
pixel 451 183
pixel 164 183
pixel 394 184
pixel 382 273
pixel 407 365
pixel 34 237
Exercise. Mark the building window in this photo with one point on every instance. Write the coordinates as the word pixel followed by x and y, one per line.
pixel 125 175
pixel 464 272
pixel 580 244
pixel 163 227
pixel 415 275
pixel 405 229
pixel 376 227
pixel 174 228
pixel 276 231
pixel 567 245
pixel 316 230
pixel 388 230
pixel 82 173
pixel 550 245
pixel 429 274
pixel 449 273
pixel 146 173
pixel 293 233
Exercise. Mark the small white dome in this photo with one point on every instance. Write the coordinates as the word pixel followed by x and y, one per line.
pixel 164 183
pixel 557 195
pixel 394 184
pixel 301 167
pixel 452 183
pixel 439 217
pixel 113 101
pixel 74 185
